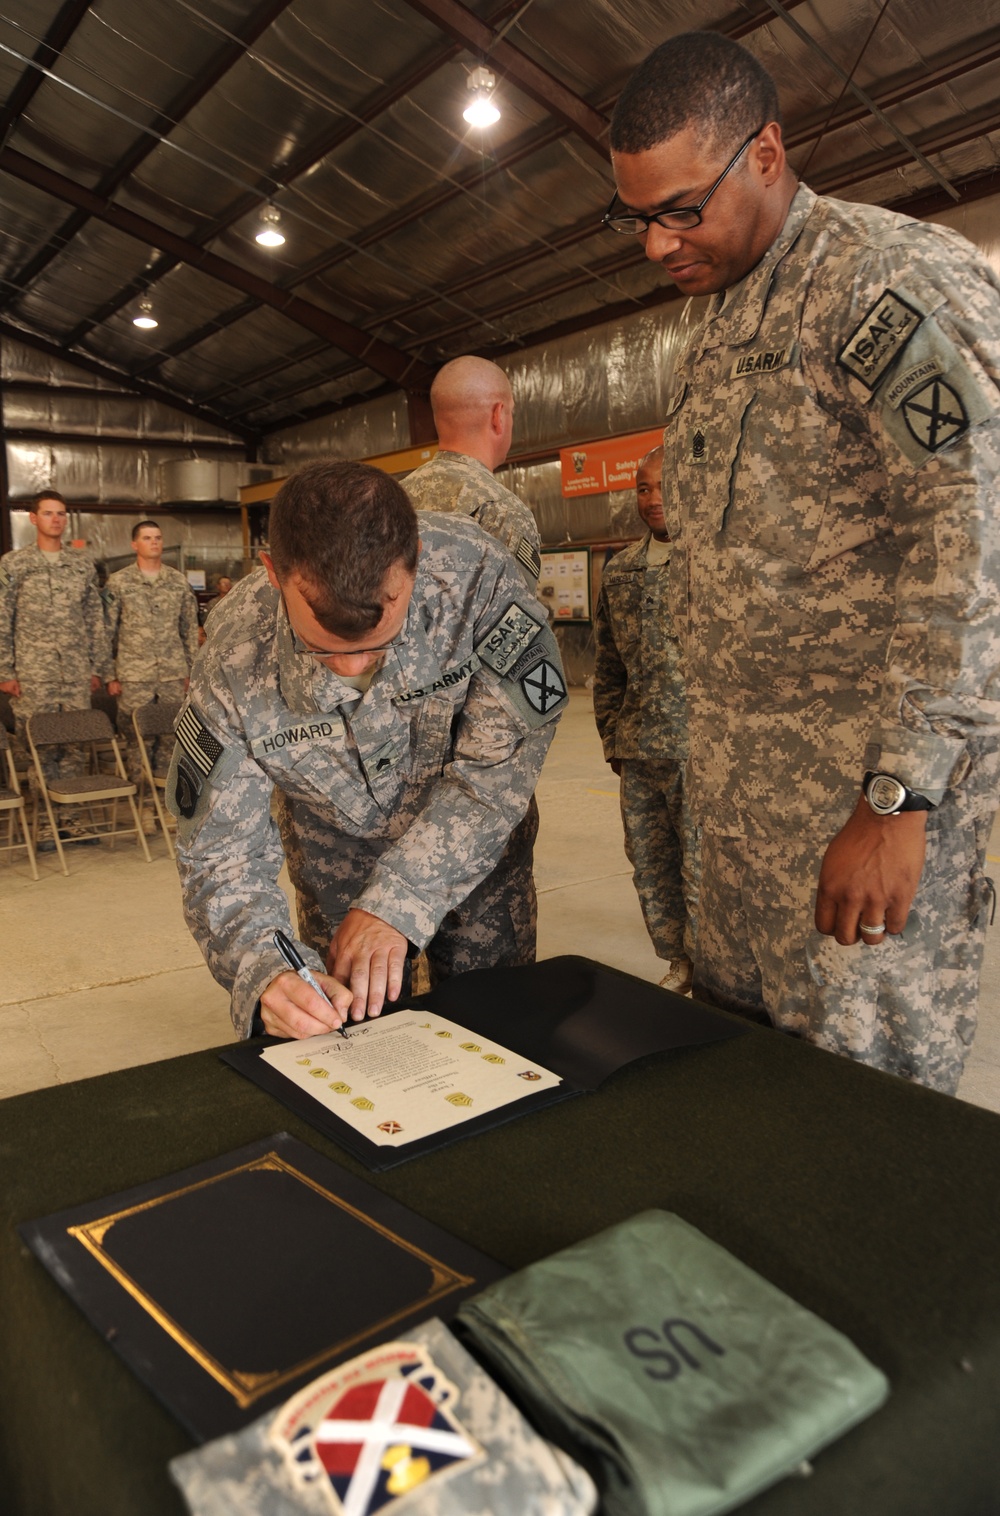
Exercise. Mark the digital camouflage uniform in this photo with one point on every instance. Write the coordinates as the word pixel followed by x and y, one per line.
pixel 404 802
pixel 456 482
pixel 52 639
pixel 831 459
pixel 153 626
pixel 641 716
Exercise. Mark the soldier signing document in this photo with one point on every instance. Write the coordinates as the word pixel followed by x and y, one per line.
pixel 398 695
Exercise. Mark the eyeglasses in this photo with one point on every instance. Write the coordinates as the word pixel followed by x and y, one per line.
pixel 298 646
pixel 679 220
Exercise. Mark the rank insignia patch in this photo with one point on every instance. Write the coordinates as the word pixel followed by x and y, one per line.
pixel 372 1431
pixel 698 446
pixel 543 687
pixel 935 415
pixel 883 333
pixel 458 1099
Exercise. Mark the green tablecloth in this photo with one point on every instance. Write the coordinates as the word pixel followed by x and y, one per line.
pixel 871 1201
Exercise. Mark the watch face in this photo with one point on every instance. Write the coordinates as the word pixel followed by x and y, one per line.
pixel 885 794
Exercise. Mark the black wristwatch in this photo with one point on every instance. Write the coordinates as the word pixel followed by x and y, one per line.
pixel 888 796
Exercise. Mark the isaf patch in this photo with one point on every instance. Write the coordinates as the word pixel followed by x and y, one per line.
pixel 881 336
pixel 502 644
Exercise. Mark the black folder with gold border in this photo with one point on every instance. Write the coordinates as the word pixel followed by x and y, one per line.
pixel 578 1018
pixel 228 1286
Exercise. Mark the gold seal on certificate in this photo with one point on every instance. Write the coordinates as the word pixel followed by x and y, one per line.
pixel 407 1076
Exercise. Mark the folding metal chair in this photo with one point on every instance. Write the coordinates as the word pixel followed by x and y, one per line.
pixel 154 720
pixel 100 793
pixel 12 804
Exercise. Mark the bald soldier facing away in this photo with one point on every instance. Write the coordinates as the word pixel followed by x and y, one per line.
pixel 400 696
pixel 474 416
pixel 832 448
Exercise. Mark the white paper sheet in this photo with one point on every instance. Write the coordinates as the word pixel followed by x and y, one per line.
pixel 407 1076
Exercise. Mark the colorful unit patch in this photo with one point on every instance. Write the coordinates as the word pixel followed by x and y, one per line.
pixel 374 1430
pixel 882 335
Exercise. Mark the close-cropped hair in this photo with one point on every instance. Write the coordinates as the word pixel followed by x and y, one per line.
pixel 340 528
pixel 47 495
pixel 696 78
pixel 139 526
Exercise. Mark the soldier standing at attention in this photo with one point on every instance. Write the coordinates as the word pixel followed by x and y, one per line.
pixel 832 448
pixel 152 618
pixel 641 716
pixel 54 651
pixel 474 416
pixel 398 696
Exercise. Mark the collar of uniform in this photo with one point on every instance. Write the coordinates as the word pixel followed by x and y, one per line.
pixel 474 463
pixel 307 685
pixel 736 313
pixel 412 663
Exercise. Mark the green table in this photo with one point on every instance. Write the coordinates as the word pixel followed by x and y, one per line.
pixel 871 1201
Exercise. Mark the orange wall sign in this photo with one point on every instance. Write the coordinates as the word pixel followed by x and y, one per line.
pixel 595 467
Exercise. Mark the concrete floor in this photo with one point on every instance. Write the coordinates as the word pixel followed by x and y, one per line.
pixel 98 971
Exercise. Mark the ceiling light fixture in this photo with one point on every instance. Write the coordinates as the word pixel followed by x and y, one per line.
pixel 145 318
pixel 269 236
pixel 480 110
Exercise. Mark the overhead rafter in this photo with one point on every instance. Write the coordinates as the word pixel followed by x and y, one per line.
pixel 406 371
pixel 341 131
pixel 140 386
pixel 166 120
pixel 537 83
pixel 68 18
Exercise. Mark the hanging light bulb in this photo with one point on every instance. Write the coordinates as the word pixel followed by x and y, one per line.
pixel 480 110
pixel 145 317
pixel 269 236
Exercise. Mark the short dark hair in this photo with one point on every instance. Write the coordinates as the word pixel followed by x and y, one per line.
pixel 341 527
pixel 47 495
pixel 697 77
pixel 139 526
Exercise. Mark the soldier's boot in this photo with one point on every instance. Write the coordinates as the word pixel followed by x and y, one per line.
pixel 680 972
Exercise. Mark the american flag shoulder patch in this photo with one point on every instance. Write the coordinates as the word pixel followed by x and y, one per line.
pixel 527 554
pixel 202 748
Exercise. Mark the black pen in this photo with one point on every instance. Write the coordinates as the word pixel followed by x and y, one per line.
pixel 296 962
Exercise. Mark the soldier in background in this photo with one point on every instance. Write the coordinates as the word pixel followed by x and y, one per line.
pixel 398 697
pixel 832 448
pixel 641 715
pixel 152 619
pixel 54 651
pixel 474 416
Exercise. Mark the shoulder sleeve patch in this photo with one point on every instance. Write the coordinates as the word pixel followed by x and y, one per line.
pixel 507 637
pixel 197 741
pixel 881 336
pixel 529 556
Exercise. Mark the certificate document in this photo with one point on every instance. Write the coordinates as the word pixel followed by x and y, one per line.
pixel 407 1076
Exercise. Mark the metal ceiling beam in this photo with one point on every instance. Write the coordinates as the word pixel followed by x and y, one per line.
pixel 111 439
pixel 531 142
pixel 139 386
pixel 230 53
pixel 388 361
pixel 284 174
pixel 457 21
pixel 968 129
pixel 68 18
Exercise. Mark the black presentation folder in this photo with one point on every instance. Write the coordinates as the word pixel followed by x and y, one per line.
pixel 228 1286
pixel 576 1017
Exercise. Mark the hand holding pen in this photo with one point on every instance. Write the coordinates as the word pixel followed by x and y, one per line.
pixel 304 1008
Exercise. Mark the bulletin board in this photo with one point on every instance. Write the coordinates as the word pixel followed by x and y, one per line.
pixel 564 584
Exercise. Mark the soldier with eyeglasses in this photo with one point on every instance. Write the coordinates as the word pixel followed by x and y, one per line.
pixel 374 710
pixel 832 447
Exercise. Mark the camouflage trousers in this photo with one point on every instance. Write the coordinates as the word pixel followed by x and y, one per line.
pixel 134 694
pixel 909 1004
pixel 661 843
pixel 57 762
pixel 494 927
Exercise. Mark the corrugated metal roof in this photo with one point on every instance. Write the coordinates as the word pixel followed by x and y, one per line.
pixel 411 228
